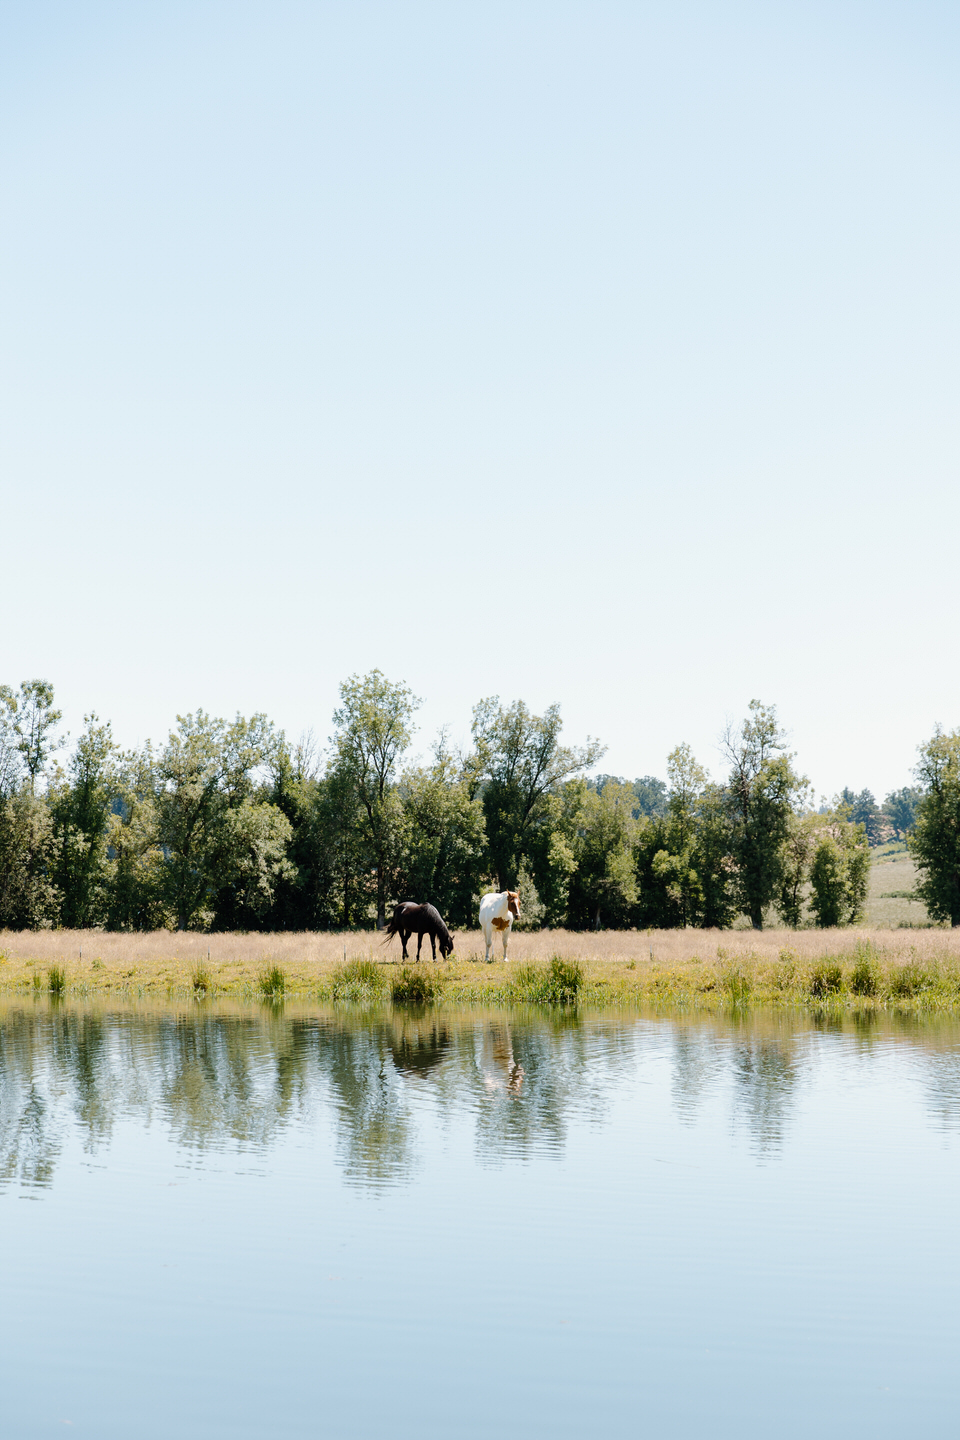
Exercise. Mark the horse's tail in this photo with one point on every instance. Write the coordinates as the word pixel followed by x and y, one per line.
pixel 390 929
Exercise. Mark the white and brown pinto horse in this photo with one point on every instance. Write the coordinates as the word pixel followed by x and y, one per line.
pixel 498 912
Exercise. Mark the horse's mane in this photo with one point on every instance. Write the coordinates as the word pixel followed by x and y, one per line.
pixel 438 919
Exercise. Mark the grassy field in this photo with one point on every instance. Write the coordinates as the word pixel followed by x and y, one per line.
pixel 892 878
pixel 702 968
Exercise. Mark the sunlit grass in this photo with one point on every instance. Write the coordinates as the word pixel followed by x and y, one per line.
pixel 703 969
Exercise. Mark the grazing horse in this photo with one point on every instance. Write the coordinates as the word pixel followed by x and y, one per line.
pixel 498 912
pixel 412 919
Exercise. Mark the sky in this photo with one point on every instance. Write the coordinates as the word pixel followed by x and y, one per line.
pixel 602 354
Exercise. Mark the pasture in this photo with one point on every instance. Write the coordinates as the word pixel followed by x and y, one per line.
pixel 867 965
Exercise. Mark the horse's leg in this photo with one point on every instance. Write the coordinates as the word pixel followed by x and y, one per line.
pixel 506 937
pixel 404 937
pixel 433 946
pixel 488 937
pixel 419 943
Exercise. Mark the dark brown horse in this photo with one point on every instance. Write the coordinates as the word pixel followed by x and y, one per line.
pixel 412 919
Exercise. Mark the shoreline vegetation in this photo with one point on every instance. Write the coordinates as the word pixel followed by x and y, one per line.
pixel 847 969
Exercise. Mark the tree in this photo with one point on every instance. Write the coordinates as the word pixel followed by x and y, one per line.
pixel 683 856
pixel 28 896
pixel 900 809
pixel 651 796
pixel 518 761
pixel 136 890
pixel 863 810
pixel 81 802
pixel 218 841
pixel 34 721
pixel 373 730
pixel 934 840
pixel 603 880
pixel 799 845
pixel 11 759
pixel 446 848
pixel 761 794
pixel 840 872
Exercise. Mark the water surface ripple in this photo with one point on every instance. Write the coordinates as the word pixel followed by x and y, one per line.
pixel 291 1221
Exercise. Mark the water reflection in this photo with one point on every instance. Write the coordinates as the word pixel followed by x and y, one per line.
pixel 238 1077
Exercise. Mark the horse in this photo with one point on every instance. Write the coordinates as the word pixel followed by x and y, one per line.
pixel 498 912
pixel 412 919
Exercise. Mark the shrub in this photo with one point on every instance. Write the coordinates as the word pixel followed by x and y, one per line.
pixel 908 980
pixel 358 980
pixel 56 980
pixel 201 980
pixel 559 983
pixel 866 976
pixel 737 984
pixel 415 987
pixel 826 978
pixel 272 982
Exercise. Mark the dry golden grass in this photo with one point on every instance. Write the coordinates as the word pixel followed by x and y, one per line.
pixel 709 966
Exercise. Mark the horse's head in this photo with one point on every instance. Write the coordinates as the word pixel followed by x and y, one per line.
pixel 446 946
pixel 513 903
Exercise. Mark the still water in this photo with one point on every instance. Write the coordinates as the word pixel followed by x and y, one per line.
pixel 296 1222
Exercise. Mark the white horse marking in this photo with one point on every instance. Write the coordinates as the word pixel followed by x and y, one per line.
pixel 498 912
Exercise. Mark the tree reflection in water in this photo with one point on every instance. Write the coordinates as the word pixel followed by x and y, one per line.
pixel 222 1077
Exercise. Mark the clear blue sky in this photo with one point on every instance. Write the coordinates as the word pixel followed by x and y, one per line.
pixel 601 353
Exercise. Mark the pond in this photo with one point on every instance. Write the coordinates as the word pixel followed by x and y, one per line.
pixel 290 1221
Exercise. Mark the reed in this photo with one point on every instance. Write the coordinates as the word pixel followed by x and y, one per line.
pixel 358 981
pixel 416 987
pixel 826 978
pixel 56 980
pixel 559 983
pixel 272 982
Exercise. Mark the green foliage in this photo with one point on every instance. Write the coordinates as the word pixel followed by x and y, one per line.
pixel 840 873
pixel 599 855
pixel 558 983
pixel 359 980
pixel 795 861
pixel 417 986
pixel 28 895
pixel 272 982
pixel 683 857
pixel 81 803
pixel 935 839
pixel 56 980
pixel 761 794
pixel 445 851
pixel 373 730
pixel 31 719
pixel 738 984
pixel 220 846
pixel 862 809
pixel 900 809
pixel 826 978
pixel 867 975
pixel 518 762
pixel 908 981
pixel 202 984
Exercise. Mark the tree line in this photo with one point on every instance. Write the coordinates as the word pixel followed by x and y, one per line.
pixel 228 825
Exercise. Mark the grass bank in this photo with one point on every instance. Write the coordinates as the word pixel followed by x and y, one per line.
pixel 707 970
